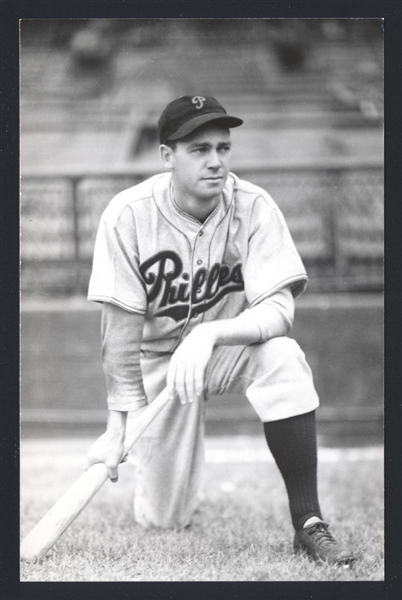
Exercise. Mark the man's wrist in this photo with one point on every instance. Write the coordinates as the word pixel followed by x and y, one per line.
pixel 209 330
pixel 116 423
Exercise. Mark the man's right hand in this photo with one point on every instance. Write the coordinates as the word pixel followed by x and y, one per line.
pixel 109 447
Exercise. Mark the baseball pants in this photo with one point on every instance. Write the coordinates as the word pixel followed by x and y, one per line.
pixel 169 456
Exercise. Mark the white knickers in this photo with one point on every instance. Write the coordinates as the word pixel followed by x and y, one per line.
pixel 169 456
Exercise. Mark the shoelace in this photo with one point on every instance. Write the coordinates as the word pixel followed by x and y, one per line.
pixel 321 534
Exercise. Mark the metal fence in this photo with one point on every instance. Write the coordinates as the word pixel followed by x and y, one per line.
pixel 334 212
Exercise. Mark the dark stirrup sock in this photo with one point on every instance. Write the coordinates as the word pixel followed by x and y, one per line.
pixel 293 444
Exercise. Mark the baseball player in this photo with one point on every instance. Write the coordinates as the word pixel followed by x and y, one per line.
pixel 197 273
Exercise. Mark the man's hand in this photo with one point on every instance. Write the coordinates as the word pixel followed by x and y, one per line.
pixel 186 374
pixel 109 447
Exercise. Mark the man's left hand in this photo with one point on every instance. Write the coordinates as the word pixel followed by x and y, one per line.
pixel 186 375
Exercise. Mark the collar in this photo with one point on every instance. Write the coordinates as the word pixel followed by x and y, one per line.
pixel 186 215
pixel 164 199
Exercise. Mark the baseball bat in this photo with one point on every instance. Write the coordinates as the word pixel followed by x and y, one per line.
pixel 74 500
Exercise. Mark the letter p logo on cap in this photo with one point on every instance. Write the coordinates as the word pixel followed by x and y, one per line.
pixel 198 101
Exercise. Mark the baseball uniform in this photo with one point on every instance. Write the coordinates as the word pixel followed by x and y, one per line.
pixel 153 259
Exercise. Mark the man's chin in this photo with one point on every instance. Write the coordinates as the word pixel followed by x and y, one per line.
pixel 212 187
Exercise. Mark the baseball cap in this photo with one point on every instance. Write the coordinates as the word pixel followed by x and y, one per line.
pixel 185 114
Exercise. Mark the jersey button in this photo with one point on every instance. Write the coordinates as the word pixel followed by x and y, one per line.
pixel 201 233
pixel 199 262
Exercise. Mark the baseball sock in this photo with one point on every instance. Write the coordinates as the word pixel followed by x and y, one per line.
pixel 293 444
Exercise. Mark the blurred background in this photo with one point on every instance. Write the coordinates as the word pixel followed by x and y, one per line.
pixel 310 93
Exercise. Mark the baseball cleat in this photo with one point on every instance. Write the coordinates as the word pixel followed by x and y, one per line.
pixel 319 545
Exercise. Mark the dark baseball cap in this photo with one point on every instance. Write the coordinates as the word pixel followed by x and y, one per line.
pixel 185 114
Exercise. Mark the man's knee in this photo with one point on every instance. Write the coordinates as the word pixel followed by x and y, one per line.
pixel 283 386
pixel 282 355
pixel 281 348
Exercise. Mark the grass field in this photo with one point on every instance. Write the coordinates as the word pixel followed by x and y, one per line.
pixel 242 531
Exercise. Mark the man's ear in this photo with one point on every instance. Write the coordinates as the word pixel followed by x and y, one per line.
pixel 166 156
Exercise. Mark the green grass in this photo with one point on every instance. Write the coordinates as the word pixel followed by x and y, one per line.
pixel 242 531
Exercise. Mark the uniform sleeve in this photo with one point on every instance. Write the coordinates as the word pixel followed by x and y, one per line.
pixel 273 261
pixel 273 316
pixel 115 274
pixel 121 342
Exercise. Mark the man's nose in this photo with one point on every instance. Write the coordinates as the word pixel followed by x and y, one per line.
pixel 214 160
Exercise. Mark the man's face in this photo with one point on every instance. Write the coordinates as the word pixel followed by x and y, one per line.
pixel 200 163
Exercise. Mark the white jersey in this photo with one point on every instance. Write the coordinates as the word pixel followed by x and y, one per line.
pixel 154 259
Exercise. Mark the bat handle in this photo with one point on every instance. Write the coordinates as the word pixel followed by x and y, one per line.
pixel 145 419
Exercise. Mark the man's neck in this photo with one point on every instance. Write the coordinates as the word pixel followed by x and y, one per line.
pixel 199 209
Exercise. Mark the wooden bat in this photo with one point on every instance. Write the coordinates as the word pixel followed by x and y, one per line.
pixel 62 514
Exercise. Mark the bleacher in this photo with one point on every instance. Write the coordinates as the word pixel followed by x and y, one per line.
pixel 312 137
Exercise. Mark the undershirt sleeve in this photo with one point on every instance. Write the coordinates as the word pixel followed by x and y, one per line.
pixel 273 315
pixel 121 343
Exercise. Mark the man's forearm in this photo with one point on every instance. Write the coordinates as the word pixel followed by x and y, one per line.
pixel 274 315
pixel 121 343
pixel 232 332
pixel 271 318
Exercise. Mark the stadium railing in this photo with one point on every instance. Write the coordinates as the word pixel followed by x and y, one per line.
pixel 334 211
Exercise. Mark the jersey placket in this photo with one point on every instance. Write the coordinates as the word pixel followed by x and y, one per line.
pixel 199 271
pixel 199 236
pixel 198 260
